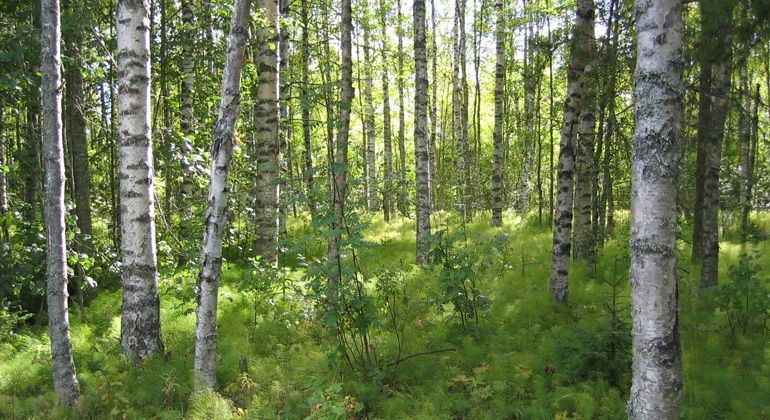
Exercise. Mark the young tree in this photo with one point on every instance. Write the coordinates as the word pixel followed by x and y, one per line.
pixel 497 156
pixel 579 59
pixel 656 388
pixel 369 122
pixel 140 322
pixel 4 232
pixel 403 205
pixel 216 209
pixel 421 153
pixel 64 380
pixel 387 201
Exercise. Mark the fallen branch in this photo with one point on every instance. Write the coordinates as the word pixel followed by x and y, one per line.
pixel 419 354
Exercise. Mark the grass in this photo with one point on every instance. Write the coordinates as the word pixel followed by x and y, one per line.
pixel 528 358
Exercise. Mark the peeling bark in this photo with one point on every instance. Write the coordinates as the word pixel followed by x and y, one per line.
pixel 140 322
pixel 216 209
pixel 421 153
pixel 63 367
pixel 497 135
pixel 656 388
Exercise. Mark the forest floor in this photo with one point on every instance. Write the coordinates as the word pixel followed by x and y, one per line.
pixel 521 357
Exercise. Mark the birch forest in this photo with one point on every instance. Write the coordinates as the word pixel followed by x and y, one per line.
pixel 385 209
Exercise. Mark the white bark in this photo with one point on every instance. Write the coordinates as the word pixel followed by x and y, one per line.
pixel 140 322
pixel 216 209
pixel 369 123
pixel 64 380
pixel 497 135
pixel 422 157
pixel 387 201
pixel 186 122
pixel 267 121
pixel 656 388
pixel 559 286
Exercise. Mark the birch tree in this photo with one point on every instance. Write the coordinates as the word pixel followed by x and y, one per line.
pixel 497 135
pixel 140 322
pixel 267 119
pixel 63 367
pixel 421 153
pixel 387 200
pixel 216 209
pixel 573 106
pixel 369 123
pixel 656 388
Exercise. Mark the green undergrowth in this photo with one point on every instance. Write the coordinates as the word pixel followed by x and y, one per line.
pixel 526 357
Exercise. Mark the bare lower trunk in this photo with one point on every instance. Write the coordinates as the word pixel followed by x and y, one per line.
pixel 497 135
pixel 403 204
pixel 369 124
pixel 187 123
pixel 64 380
pixel 421 132
pixel 387 194
pixel 306 107
pixel 4 234
pixel 573 106
pixel 216 209
pixel 140 322
pixel 267 125
pixel 656 388
pixel 748 164
pixel 585 172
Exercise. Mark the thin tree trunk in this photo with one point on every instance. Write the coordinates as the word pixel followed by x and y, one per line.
pixel 574 104
pixel 718 58
pixel 422 159
pixel 747 161
pixel 64 378
pixel 403 204
pixel 585 174
pixel 387 204
pixel 433 107
pixel 284 90
pixel 186 122
pixel 267 116
pixel 369 123
pixel 306 108
pixel 4 233
pixel 497 135
pixel 656 388
pixel 78 147
pixel 340 167
pixel 216 209
pixel 140 322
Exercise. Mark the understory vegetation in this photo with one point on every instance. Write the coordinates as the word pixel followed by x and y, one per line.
pixel 474 336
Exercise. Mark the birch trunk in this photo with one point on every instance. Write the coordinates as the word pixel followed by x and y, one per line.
pixel 187 120
pixel 497 135
pixel 748 156
pixel 267 118
pixel 574 104
pixel 306 107
pixel 4 234
pixel 585 173
pixel 64 379
pixel 422 158
pixel 387 204
pixel 340 171
pixel 656 388
pixel 140 322
pixel 216 209
pixel 403 205
pixel 369 124
pixel 285 120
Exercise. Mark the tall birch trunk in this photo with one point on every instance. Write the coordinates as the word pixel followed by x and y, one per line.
pixel 656 388
pixel 585 173
pixel 267 118
pixel 715 91
pixel 387 194
pixel 574 104
pixel 64 379
pixel 749 137
pixel 433 107
pixel 403 204
pixel 369 124
pixel 460 107
pixel 187 120
pixel 421 153
pixel 216 209
pixel 340 171
pixel 284 95
pixel 4 233
pixel 140 322
pixel 78 148
pixel 497 135
pixel 306 108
